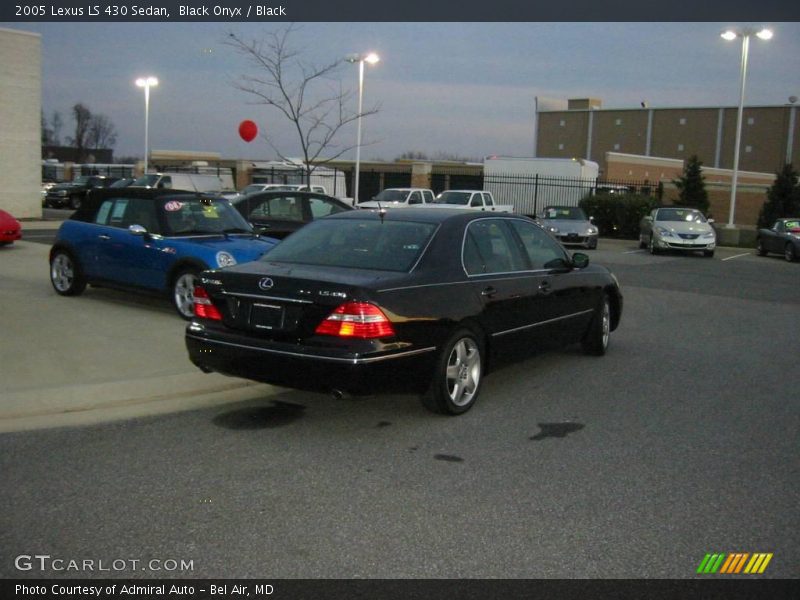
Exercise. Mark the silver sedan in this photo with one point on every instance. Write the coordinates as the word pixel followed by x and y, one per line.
pixel 676 228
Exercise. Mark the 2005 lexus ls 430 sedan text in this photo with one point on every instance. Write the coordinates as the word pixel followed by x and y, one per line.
pixel 409 300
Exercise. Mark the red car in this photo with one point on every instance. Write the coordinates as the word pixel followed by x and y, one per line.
pixel 10 228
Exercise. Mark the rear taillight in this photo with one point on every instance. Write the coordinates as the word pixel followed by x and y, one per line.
pixel 356 320
pixel 203 307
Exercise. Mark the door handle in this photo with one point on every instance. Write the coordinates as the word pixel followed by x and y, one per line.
pixel 544 287
pixel 489 291
pixel 103 236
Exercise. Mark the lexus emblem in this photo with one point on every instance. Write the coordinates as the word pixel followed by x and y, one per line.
pixel 266 283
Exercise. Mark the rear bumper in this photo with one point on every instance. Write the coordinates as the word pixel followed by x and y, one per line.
pixel 306 368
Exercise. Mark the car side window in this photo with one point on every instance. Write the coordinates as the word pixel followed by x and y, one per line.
pixel 165 183
pixel 476 201
pixel 542 250
pixel 103 212
pixel 323 208
pixel 778 227
pixel 415 198
pixel 140 211
pixel 487 199
pixel 427 197
pixel 489 247
pixel 118 212
pixel 285 208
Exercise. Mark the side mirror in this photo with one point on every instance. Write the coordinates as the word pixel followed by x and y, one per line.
pixel 710 220
pixel 137 230
pixel 591 219
pixel 580 260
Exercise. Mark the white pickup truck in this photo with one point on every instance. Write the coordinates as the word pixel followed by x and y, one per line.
pixel 399 197
pixel 470 200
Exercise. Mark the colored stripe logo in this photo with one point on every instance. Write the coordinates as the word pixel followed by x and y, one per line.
pixel 735 563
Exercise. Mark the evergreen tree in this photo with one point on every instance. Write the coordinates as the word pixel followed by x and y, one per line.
pixel 692 186
pixel 783 198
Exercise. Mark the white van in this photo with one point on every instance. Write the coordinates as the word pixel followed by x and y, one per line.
pixel 192 182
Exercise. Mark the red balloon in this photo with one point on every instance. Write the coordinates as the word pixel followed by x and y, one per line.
pixel 248 130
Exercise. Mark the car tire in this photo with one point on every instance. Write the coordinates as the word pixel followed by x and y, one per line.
pixel 788 252
pixel 182 290
pixel 74 202
pixel 760 249
pixel 708 253
pixel 457 376
pixel 66 275
pixel 652 246
pixel 595 340
pixel 642 243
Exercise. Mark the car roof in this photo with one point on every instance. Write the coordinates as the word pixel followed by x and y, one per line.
pixel 97 196
pixel 273 193
pixel 428 214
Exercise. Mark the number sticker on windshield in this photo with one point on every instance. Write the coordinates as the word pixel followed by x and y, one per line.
pixel 173 206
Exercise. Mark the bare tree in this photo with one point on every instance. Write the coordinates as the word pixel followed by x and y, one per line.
pixel 102 133
pixel 47 132
pixel 306 94
pixel 83 118
pixel 55 125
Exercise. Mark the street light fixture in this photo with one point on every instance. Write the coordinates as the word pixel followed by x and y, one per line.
pixel 146 83
pixel 730 35
pixel 370 58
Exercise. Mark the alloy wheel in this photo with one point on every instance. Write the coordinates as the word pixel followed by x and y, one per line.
pixel 463 371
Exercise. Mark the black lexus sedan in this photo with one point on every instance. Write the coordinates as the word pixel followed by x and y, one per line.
pixel 407 300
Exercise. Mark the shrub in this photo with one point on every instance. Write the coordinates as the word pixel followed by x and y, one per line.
pixel 783 198
pixel 618 215
pixel 692 187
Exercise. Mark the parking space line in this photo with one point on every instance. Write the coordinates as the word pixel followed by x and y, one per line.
pixel 634 251
pixel 738 256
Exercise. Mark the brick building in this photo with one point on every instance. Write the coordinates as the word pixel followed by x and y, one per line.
pixel 582 128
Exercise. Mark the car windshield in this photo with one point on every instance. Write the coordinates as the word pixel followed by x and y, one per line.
pixel 145 181
pixel 252 188
pixel 82 180
pixel 391 196
pixel 461 198
pixel 680 214
pixel 190 215
pixel 355 244
pixel 562 213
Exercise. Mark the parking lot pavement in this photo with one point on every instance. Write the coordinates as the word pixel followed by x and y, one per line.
pixel 102 356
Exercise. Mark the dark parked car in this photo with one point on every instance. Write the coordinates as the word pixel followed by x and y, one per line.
pixel 277 213
pixel 407 300
pixel 72 194
pixel 782 238
pixel 150 240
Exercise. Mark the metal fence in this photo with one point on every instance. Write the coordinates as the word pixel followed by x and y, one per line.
pixel 334 181
pixel 529 194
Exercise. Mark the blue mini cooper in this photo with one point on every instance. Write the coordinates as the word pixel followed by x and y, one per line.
pixel 152 241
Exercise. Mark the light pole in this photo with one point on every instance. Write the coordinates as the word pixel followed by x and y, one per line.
pixel 730 35
pixel 371 58
pixel 146 83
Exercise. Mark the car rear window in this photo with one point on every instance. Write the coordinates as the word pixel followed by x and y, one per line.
pixel 356 244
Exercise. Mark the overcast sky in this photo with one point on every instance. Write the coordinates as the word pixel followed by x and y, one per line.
pixel 463 89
